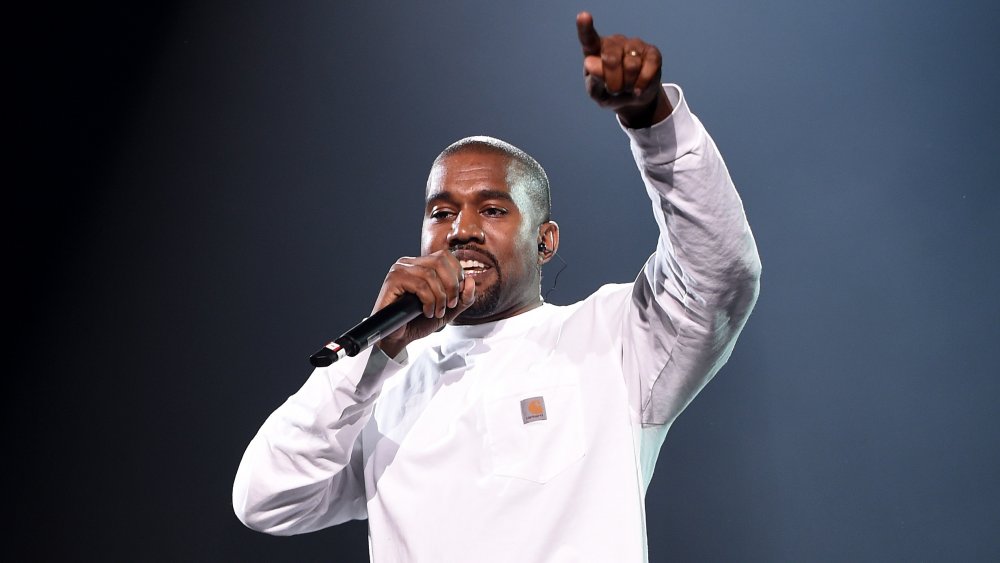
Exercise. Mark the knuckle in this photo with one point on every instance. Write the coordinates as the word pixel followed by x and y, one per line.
pixel 426 292
pixel 420 273
pixel 448 261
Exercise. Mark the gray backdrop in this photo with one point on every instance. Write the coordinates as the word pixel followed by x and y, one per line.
pixel 215 190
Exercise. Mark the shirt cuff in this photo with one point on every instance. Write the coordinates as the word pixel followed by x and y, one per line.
pixel 670 138
pixel 378 368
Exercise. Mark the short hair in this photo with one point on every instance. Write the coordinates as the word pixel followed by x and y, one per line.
pixel 526 170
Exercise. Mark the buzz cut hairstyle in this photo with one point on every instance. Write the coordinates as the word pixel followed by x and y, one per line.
pixel 525 170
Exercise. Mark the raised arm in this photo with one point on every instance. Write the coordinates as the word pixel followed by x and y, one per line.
pixel 696 291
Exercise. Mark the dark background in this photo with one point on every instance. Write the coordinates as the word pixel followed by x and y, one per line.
pixel 204 192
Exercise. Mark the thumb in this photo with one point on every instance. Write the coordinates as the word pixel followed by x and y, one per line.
pixel 466 298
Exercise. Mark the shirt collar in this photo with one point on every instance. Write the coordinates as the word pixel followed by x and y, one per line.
pixel 511 326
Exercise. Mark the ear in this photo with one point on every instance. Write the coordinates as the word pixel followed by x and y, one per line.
pixel 548 241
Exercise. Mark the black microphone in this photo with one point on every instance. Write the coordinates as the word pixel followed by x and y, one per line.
pixel 383 322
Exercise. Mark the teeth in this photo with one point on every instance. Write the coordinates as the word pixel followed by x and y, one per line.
pixel 472 265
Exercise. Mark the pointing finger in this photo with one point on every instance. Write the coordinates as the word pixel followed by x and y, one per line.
pixel 589 39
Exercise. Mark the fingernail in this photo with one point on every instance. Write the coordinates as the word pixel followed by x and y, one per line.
pixel 637 92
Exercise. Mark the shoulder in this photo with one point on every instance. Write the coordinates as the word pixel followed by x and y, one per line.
pixel 609 297
pixel 600 313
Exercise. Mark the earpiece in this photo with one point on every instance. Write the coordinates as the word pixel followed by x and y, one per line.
pixel 542 247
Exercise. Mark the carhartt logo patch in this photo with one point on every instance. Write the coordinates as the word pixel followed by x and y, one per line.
pixel 533 409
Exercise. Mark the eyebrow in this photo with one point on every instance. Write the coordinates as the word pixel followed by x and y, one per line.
pixel 481 195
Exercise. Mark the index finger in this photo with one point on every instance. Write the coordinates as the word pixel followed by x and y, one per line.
pixel 589 39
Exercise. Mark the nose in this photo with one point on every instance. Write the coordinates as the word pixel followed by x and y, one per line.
pixel 466 228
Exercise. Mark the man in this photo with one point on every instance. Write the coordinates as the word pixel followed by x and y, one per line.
pixel 497 427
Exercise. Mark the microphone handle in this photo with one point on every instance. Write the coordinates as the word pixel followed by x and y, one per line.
pixel 369 331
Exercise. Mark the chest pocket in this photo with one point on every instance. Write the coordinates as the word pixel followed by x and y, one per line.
pixel 536 433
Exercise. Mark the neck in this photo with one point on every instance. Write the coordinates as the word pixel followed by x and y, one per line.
pixel 511 312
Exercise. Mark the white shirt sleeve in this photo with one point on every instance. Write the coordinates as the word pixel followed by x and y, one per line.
pixel 694 294
pixel 303 471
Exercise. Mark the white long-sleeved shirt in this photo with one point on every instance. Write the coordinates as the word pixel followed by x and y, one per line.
pixel 531 438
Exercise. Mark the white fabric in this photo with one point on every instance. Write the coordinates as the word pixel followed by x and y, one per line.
pixel 433 449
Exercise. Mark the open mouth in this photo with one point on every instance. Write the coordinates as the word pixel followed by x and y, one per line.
pixel 474 262
pixel 473 267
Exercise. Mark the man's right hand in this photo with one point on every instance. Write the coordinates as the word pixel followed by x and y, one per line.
pixel 438 280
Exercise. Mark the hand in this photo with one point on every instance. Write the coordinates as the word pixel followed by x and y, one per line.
pixel 623 74
pixel 437 279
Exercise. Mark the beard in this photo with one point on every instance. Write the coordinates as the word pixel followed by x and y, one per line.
pixel 487 303
pixel 505 293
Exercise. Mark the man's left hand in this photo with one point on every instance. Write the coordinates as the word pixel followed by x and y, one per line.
pixel 623 74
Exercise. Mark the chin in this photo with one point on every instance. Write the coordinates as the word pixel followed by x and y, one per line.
pixel 484 307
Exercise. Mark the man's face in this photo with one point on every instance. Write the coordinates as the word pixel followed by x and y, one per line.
pixel 472 211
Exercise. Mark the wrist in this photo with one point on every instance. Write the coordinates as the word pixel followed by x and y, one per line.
pixel 641 117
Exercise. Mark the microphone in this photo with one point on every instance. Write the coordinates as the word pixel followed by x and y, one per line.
pixel 383 322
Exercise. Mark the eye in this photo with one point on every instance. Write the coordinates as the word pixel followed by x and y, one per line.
pixel 494 212
pixel 441 214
